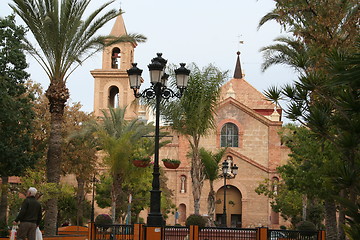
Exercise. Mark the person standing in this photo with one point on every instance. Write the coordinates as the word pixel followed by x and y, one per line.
pixel 29 216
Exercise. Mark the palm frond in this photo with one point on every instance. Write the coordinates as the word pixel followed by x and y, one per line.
pixel 268 17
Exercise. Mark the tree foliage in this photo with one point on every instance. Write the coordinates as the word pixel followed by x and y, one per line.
pixel 64 40
pixel 17 115
pixel 193 116
pixel 119 139
pixel 325 97
pixel 211 163
pixel 320 23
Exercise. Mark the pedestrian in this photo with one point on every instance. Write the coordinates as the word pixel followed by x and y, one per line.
pixel 29 216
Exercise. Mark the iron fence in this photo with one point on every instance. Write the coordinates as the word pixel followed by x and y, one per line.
pixel 217 233
pixel 176 232
pixel 126 232
pixel 114 232
pixel 293 235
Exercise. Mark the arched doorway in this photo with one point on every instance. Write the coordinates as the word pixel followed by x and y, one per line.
pixel 233 206
pixel 182 214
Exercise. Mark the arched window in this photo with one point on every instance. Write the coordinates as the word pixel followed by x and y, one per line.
pixel 115 58
pixel 182 184
pixel 114 97
pixel 229 135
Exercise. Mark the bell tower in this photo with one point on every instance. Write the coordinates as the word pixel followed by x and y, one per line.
pixel 111 81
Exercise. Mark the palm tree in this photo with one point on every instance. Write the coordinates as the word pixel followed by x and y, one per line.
pixel 321 102
pixel 325 99
pixel 211 167
pixel 119 139
pixel 193 116
pixel 65 41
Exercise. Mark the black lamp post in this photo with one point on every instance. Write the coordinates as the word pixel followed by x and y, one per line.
pixel 227 173
pixel 92 209
pixel 158 90
pixel 93 200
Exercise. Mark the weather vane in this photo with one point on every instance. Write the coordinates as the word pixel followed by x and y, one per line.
pixel 240 41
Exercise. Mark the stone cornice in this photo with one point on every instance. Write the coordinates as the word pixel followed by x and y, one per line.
pixel 98 73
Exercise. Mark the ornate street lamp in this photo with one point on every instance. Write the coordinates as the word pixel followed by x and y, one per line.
pixel 158 90
pixel 227 173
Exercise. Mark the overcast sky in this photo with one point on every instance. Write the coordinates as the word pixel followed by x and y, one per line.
pixel 199 31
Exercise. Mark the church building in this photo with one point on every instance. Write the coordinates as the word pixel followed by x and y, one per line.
pixel 245 122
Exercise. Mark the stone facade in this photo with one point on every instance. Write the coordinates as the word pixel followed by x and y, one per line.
pixel 256 147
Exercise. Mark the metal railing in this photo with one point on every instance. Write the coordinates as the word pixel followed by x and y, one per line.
pixel 293 235
pixel 217 233
pixel 176 232
pixel 114 232
pixel 126 232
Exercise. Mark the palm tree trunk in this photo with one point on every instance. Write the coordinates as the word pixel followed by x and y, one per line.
pixel 330 220
pixel 197 176
pixel 117 192
pixel 341 218
pixel 304 207
pixel 211 204
pixel 80 197
pixel 57 94
pixel 4 199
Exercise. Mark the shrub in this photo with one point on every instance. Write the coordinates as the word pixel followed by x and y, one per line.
pixel 307 228
pixel 282 227
pixel 195 220
pixel 103 219
pixel 4 230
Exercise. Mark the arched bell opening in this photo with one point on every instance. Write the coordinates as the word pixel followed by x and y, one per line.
pixel 115 58
pixel 114 97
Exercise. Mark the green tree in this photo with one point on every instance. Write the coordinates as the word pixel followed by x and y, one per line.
pixel 138 184
pixel 65 41
pixel 319 98
pixel 326 101
pixel 16 117
pixel 119 138
pixel 193 116
pixel 284 201
pixel 211 163
pixel 79 154
pixel 306 177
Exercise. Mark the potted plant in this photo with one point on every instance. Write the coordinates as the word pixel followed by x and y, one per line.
pixel 171 163
pixel 141 161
